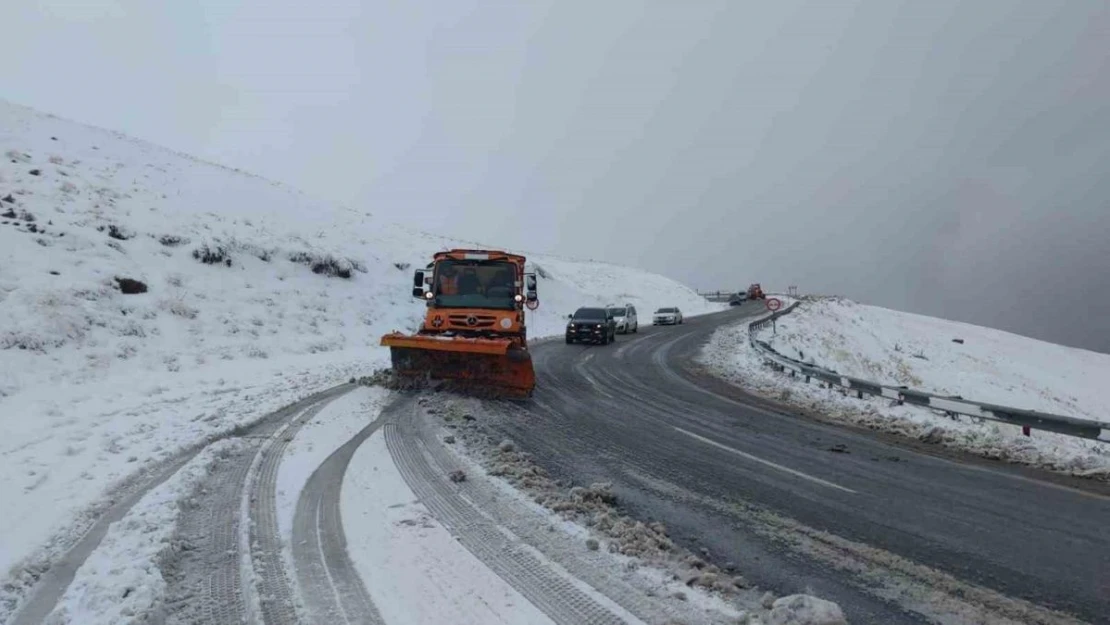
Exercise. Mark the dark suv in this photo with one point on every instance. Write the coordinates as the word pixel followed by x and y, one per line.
pixel 591 325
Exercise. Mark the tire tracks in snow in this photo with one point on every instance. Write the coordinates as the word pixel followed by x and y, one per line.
pixel 46 594
pixel 202 526
pixel 332 588
pixel 263 541
pixel 227 565
pixel 560 596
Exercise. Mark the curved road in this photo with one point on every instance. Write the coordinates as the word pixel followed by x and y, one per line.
pixel 893 530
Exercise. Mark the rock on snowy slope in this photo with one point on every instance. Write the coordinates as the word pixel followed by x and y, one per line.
pixel 256 295
pixel 905 349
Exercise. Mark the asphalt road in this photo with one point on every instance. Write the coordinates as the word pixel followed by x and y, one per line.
pixel 895 531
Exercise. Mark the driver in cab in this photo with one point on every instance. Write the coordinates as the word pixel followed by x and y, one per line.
pixel 448 281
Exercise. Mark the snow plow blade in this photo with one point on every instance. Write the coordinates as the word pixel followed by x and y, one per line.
pixel 491 368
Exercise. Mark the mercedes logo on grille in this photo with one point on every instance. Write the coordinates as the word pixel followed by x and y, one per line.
pixel 471 320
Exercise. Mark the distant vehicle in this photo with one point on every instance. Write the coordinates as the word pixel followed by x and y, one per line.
pixel 667 317
pixel 738 299
pixel 591 325
pixel 626 319
pixel 755 291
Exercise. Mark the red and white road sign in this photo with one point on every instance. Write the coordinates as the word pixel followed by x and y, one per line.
pixel 773 304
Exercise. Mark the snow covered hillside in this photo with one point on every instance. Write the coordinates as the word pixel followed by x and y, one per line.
pixel 920 352
pixel 900 348
pixel 150 301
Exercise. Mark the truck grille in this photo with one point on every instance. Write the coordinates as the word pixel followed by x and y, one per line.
pixel 471 321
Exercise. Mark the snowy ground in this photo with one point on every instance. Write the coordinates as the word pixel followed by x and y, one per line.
pixel 97 386
pixel 122 579
pixel 317 439
pixel 899 348
pixel 412 566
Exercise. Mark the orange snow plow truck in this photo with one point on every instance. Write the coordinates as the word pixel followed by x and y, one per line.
pixel 473 338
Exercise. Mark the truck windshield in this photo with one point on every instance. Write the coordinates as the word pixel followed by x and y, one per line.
pixel 474 284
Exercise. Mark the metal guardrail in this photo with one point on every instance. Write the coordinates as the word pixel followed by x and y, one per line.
pixel 1060 424
pixel 718 296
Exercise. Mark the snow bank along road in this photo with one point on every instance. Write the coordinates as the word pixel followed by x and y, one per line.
pixel 892 530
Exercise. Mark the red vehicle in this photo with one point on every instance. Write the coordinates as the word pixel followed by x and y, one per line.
pixel 755 291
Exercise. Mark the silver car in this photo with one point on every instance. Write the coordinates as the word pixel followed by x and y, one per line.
pixel 626 319
pixel 667 317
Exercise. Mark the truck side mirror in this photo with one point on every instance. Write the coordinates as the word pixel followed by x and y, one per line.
pixel 418 284
pixel 530 288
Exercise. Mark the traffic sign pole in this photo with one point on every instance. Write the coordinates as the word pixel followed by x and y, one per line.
pixel 773 304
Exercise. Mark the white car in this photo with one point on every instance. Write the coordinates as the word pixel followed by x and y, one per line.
pixel 667 317
pixel 625 317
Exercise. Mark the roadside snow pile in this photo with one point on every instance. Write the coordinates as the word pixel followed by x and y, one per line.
pixel 805 610
pixel 149 301
pixel 923 353
pixel 646 548
pixel 592 506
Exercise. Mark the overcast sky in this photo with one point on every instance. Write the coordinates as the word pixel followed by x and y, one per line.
pixel 943 157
